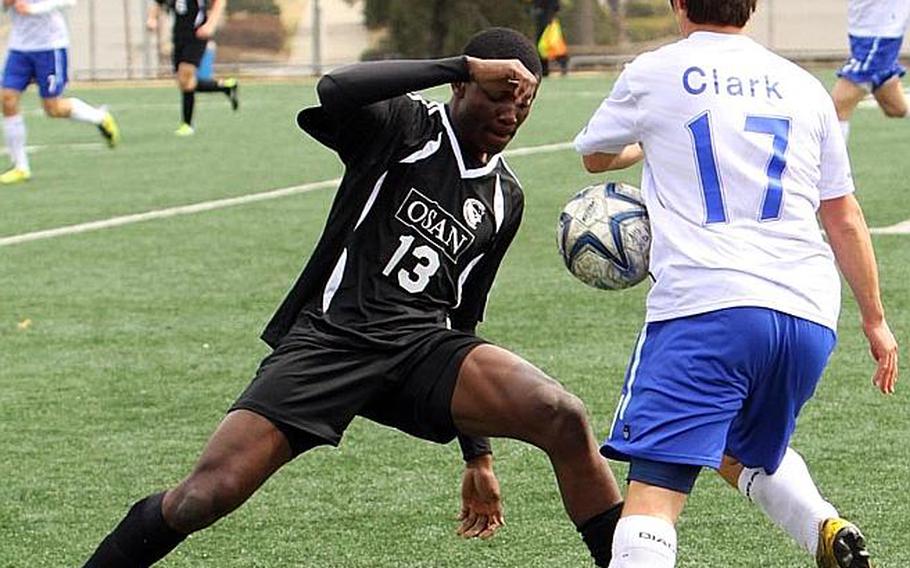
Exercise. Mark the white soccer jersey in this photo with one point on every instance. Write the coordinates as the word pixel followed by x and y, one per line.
pixel 877 18
pixel 740 147
pixel 43 30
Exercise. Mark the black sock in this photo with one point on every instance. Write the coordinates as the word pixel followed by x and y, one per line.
pixel 189 101
pixel 211 86
pixel 141 539
pixel 597 532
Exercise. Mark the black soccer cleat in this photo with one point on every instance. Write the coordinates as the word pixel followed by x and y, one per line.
pixel 232 86
pixel 841 545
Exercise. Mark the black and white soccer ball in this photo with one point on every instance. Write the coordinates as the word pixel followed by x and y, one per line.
pixel 604 236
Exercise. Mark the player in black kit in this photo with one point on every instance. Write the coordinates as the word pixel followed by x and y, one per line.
pixel 195 22
pixel 381 322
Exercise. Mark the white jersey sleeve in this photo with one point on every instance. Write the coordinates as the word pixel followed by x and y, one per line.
pixel 615 124
pixel 877 18
pixel 836 176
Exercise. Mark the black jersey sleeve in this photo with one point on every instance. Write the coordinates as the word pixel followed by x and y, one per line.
pixel 476 288
pixel 362 106
pixel 474 446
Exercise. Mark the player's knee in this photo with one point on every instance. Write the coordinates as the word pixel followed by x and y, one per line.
pixel 53 109
pixel 10 104
pixel 894 110
pixel 202 499
pixel 560 416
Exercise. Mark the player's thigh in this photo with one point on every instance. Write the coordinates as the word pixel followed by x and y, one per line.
pixel 847 95
pixel 761 432
pixel 890 97
pixel 51 73
pixel 500 394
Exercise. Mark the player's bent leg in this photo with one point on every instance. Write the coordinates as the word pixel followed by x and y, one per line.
pixel 791 500
pixel 846 95
pixel 891 99
pixel 14 135
pixel 499 394
pixel 241 455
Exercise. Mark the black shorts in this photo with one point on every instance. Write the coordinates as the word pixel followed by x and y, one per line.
pixel 314 384
pixel 189 51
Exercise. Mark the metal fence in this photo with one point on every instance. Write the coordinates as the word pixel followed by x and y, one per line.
pixel 110 39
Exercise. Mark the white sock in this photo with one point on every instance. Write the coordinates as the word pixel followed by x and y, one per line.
pixel 845 128
pixel 84 112
pixel 644 542
pixel 14 134
pixel 790 498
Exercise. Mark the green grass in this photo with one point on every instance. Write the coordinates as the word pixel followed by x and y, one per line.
pixel 142 335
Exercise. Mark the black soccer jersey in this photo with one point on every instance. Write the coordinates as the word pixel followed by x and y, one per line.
pixel 416 233
pixel 188 16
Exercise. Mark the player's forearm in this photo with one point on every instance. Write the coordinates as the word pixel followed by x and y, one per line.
pixel 603 162
pixel 46 6
pixel 361 84
pixel 849 238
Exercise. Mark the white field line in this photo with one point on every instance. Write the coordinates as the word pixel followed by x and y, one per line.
pixel 75 146
pixel 216 204
pixel 900 228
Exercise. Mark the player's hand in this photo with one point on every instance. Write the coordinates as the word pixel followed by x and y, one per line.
pixel 205 31
pixel 21 7
pixel 481 501
pixel 151 24
pixel 883 347
pixel 496 75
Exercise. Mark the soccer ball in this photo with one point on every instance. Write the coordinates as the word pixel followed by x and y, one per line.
pixel 604 236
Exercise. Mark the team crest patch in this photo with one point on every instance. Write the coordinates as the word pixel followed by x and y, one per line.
pixel 473 212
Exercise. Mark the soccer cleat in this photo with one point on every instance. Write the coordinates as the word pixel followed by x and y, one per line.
pixel 232 85
pixel 110 130
pixel 841 545
pixel 184 130
pixel 15 175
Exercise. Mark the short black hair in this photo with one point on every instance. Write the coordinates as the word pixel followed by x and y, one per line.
pixel 504 43
pixel 720 12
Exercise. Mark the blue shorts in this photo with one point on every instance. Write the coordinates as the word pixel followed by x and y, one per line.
pixel 47 68
pixel 873 60
pixel 726 382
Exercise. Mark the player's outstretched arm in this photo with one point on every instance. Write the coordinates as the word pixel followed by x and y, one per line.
pixel 481 501
pixel 603 162
pixel 848 234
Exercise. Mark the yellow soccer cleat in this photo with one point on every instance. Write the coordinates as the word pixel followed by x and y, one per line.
pixel 841 545
pixel 184 130
pixel 232 86
pixel 15 175
pixel 110 130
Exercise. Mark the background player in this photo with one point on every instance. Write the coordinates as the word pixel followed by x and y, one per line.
pixel 195 22
pixel 741 149
pixel 381 322
pixel 876 29
pixel 38 44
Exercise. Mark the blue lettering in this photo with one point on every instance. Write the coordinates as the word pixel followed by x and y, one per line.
pixel 772 88
pixel 689 87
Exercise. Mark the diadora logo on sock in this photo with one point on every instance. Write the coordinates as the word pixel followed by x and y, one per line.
pixel 656 539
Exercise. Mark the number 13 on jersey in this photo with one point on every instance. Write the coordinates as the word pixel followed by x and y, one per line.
pixel 417 279
pixel 711 185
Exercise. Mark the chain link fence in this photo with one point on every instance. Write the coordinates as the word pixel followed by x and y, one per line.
pixel 109 38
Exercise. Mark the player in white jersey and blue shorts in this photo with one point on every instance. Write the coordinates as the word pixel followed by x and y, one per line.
pixel 742 151
pixel 876 30
pixel 38 46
